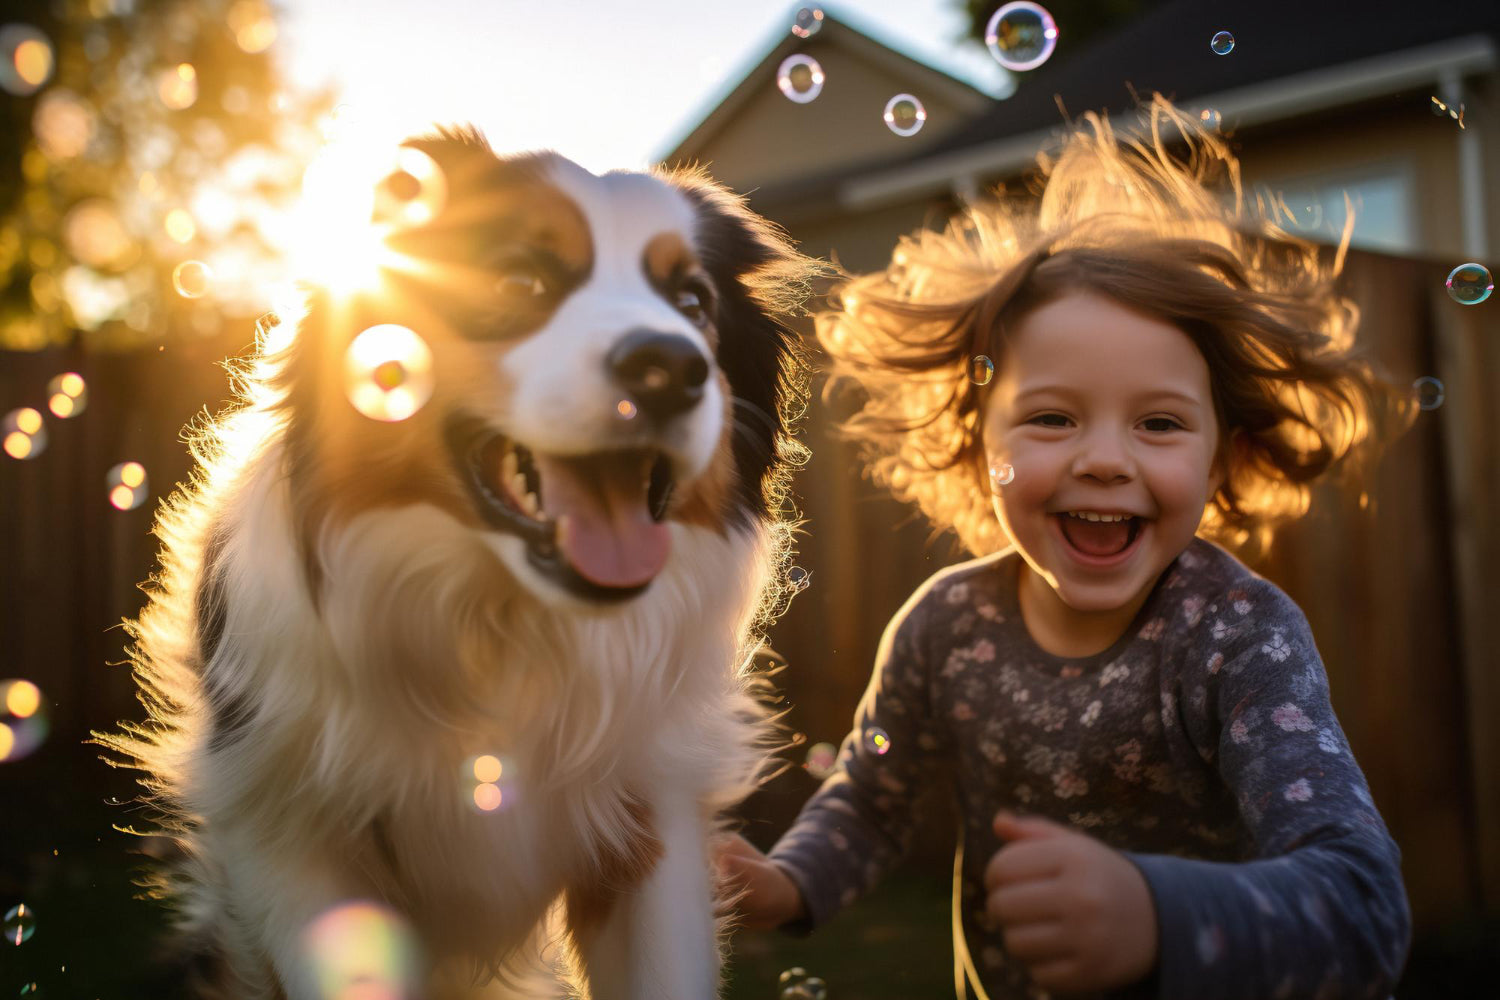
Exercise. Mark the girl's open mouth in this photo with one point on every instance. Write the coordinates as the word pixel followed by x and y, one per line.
pixel 1098 544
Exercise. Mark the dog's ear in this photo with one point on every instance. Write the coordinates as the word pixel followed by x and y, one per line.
pixel 763 282
pixel 461 151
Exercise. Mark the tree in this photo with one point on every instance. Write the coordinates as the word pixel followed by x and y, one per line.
pixel 151 158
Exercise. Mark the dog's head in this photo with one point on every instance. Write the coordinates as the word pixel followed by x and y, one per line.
pixel 607 361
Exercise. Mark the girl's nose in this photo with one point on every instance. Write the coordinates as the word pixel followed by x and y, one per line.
pixel 1104 456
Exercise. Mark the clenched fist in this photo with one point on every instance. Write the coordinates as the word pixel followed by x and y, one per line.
pixel 1074 911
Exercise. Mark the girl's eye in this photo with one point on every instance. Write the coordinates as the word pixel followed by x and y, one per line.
pixel 1172 425
pixel 1043 418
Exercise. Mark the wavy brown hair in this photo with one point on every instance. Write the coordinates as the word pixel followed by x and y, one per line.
pixel 1155 220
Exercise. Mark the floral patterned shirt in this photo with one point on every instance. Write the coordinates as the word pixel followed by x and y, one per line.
pixel 1202 744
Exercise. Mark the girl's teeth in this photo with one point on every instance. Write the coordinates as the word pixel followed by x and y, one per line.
pixel 1088 515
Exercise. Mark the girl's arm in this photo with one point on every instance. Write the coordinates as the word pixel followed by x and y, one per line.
pixel 856 827
pixel 1321 910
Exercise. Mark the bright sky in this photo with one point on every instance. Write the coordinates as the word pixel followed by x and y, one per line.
pixel 607 84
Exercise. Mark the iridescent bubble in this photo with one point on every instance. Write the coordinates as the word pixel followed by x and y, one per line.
pixel 904 115
pixel 1210 118
pixel 67 395
pixel 793 976
pixel 26 59
pixel 808 22
pixel 178 87
pixel 1470 284
pixel 127 486
pixel 413 192
pixel 877 740
pixel 799 578
pixel 483 782
pixel 981 369
pixel 800 78
pixel 20 924
pixel 192 279
pixel 362 950
pixel 1429 392
pixel 811 988
pixel 626 409
pixel 22 433
pixel 388 372
pixel 822 759
pixel 1001 474
pixel 31 989
pixel 1021 35
pixel 24 722
pixel 1222 43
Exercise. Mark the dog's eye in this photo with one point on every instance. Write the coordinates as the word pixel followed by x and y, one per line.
pixel 520 282
pixel 692 302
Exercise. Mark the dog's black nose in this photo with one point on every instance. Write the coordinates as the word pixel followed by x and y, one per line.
pixel 663 372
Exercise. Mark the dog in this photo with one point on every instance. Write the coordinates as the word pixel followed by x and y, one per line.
pixel 556 571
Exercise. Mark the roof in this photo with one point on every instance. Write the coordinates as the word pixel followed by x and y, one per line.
pixel 1290 57
pixel 837 31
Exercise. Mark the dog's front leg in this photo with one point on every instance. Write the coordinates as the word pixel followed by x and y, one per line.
pixel 658 942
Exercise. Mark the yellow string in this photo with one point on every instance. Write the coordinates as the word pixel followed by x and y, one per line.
pixel 962 963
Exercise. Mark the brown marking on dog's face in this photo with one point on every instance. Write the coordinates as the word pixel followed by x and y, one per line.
pixel 672 267
pixel 705 500
pixel 616 873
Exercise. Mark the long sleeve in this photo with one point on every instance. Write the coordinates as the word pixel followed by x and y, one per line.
pixel 859 823
pixel 1319 910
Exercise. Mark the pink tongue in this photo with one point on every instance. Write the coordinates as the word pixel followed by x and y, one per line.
pixel 1096 538
pixel 604 529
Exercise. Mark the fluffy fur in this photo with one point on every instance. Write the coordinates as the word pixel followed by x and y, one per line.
pixel 339 624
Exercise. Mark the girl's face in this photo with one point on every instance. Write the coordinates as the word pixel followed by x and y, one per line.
pixel 1104 411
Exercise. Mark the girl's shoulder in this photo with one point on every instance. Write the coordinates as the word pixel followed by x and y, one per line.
pixel 1209 585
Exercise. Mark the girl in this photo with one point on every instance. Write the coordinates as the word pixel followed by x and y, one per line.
pixel 1155 796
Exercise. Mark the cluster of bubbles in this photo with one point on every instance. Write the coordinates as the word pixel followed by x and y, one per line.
pixel 1222 43
pixel 23 435
pixel 388 372
pixel 23 719
pixel 482 776
pixel 877 741
pixel 1021 35
pixel 67 395
pixel 1002 474
pixel 796 984
pixel 822 759
pixel 1470 284
pixel 1429 392
pixel 362 951
pixel 126 484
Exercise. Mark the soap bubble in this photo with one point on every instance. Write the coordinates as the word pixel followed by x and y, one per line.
pixel 1021 35
pixel 904 115
pixel 981 369
pixel 877 741
pixel 822 759
pixel 809 22
pixel 23 719
pixel 388 372
pixel 1222 43
pixel 800 78
pixel 1429 392
pixel 1001 475
pixel 20 924
pixel 1470 284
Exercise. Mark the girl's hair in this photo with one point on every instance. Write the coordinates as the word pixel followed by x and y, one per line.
pixel 1156 221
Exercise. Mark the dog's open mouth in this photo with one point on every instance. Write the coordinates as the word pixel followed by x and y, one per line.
pixel 593 523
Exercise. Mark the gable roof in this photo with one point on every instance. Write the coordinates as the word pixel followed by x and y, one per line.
pixel 836 31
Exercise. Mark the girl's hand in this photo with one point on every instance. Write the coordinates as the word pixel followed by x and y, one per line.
pixel 767 898
pixel 1074 911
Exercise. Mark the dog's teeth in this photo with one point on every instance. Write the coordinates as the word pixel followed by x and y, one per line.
pixel 518 484
pixel 508 467
pixel 528 503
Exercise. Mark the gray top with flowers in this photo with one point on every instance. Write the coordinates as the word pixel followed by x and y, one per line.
pixel 1201 743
